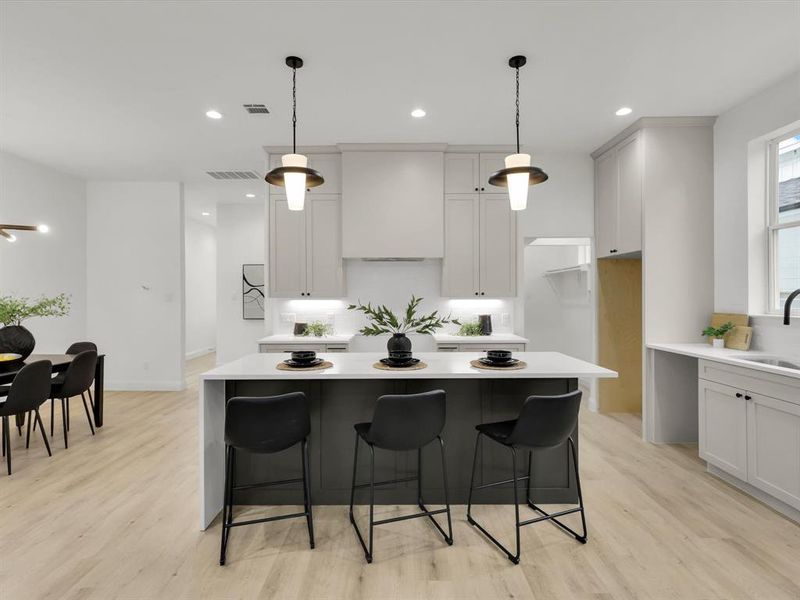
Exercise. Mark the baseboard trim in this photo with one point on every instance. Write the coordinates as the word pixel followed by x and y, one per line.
pixel 144 386
pixel 199 353
pixel 778 505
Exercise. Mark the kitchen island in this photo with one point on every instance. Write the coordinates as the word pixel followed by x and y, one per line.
pixel 345 394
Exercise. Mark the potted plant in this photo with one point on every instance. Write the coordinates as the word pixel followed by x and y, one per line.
pixel 317 329
pixel 383 320
pixel 15 338
pixel 717 334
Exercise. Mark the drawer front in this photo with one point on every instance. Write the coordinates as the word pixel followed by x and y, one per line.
pixel 485 347
pixel 767 384
pixel 290 347
pixel 336 348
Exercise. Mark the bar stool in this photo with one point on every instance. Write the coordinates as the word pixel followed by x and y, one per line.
pixel 401 423
pixel 543 422
pixel 265 426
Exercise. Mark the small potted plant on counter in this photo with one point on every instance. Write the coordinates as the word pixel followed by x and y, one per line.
pixel 16 339
pixel 317 329
pixel 383 320
pixel 717 334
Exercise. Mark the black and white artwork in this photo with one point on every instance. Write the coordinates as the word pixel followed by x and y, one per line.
pixel 253 292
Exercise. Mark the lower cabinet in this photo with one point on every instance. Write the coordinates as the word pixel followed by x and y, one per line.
pixel 749 427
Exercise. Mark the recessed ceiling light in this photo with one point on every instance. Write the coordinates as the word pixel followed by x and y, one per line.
pixel 625 110
pixel 213 114
pixel 249 195
pixel 418 113
pixel 205 213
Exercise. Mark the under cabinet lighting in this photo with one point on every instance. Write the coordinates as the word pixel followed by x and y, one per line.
pixel 213 114
pixel 418 113
pixel 205 213
pixel 249 195
pixel 470 304
pixel 624 111
pixel 312 305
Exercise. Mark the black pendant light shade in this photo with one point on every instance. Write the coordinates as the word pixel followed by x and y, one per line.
pixel 277 176
pixel 517 164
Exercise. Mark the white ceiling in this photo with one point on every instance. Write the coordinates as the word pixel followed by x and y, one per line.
pixel 119 89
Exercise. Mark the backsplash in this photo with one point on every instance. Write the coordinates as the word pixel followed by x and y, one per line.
pixel 771 335
pixel 392 284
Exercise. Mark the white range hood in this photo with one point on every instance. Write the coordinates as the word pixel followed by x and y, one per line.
pixel 393 201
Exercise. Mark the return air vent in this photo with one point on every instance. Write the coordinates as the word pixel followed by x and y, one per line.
pixel 256 109
pixel 233 175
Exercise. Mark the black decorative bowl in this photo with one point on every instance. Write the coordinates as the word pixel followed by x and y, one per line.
pixel 498 356
pixel 10 361
pixel 304 356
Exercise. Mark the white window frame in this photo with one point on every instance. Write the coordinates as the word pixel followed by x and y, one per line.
pixel 773 227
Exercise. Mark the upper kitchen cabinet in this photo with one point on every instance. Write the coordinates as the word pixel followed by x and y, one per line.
pixel 480 246
pixel 466 173
pixel 328 164
pixel 618 198
pixel 305 250
pixel 392 201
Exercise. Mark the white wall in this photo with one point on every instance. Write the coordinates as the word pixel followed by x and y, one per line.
pixel 240 240
pixel 201 288
pixel 135 282
pixel 771 109
pixel 51 263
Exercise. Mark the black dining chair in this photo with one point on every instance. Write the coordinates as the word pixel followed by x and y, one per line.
pixel 543 422
pixel 27 392
pixel 77 380
pixel 75 348
pixel 264 425
pixel 400 423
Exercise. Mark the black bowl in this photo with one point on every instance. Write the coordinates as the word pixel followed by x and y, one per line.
pixel 498 356
pixel 12 362
pixel 400 355
pixel 303 356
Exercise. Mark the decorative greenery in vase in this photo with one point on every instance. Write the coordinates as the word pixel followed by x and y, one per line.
pixel 383 320
pixel 15 310
pixel 318 329
pixel 718 332
pixel 471 328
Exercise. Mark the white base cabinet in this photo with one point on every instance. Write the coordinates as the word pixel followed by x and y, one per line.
pixel 750 427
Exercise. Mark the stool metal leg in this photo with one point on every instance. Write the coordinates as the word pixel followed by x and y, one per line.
pixel 307 493
pixel 226 504
pixel 448 537
pixel 367 551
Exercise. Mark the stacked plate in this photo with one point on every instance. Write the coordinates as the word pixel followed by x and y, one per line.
pixel 399 359
pixel 498 358
pixel 303 359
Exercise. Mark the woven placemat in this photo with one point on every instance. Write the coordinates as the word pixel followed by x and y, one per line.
pixel 479 365
pixel 325 364
pixel 416 367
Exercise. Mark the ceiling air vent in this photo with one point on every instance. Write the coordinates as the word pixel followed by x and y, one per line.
pixel 233 175
pixel 256 109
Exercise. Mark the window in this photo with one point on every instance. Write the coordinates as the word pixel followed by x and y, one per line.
pixel 784 217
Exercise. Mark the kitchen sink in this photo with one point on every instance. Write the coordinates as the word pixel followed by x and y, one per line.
pixel 775 362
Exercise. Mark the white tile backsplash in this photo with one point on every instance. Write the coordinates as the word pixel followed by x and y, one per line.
pixel 771 335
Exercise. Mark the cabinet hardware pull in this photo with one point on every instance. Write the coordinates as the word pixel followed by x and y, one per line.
pixel 738 395
pixel 476 293
pixel 483 293
pixel 483 189
pixel 748 397
pixel 476 189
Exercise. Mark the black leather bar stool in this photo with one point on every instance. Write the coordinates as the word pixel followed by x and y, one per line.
pixel 77 380
pixel 265 426
pixel 27 392
pixel 543 422
pixel 402 423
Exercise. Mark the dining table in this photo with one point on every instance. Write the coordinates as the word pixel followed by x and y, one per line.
pixel 61 363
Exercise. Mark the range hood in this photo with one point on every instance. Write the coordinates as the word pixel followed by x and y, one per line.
pixel 393 201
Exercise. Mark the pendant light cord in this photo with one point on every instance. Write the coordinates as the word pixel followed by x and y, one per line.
pixel 517 69
pixel 294 111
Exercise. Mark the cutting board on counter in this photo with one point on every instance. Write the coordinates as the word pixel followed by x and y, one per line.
pixel 738 338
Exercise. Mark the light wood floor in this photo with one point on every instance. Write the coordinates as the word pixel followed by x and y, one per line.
pixel 115 516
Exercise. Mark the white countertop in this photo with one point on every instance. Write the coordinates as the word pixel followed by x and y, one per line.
pixel 728 356
pixel 495 338
pixel 306 339
pixel 441 365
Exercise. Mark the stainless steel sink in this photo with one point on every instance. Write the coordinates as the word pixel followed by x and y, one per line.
pixel 775 362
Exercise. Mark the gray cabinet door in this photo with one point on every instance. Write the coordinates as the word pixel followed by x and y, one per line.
pixel 629 197
pixel 324 272
pixel 723 427
pixel 461 173
pixel 498 256
pixel 460 264
pixel 287 249
pixel 490 164
pixel 606 178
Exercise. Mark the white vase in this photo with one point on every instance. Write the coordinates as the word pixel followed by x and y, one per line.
pixel 718 343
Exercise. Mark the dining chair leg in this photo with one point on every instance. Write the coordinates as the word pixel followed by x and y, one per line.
pixel 3 433
pixel 66 400
pixel 88 416
pixel 7 438
pixel 19 419
pixel 64 421
pixel 91 400
pixel 28 434
pixel 44 435
pixel 52 414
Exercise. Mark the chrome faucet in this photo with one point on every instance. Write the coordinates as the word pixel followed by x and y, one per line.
pixel 787 308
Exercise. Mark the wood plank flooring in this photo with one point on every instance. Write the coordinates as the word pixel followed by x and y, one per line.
pixel 115 516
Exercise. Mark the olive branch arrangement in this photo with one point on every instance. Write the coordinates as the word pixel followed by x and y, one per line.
pixel 383 320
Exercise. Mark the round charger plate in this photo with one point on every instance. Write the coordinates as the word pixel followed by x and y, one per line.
pixel 412 367
pixel 515 367
pixel 326 364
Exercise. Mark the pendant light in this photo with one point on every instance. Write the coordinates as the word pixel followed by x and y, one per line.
pixel 518 175
pixel 294 174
